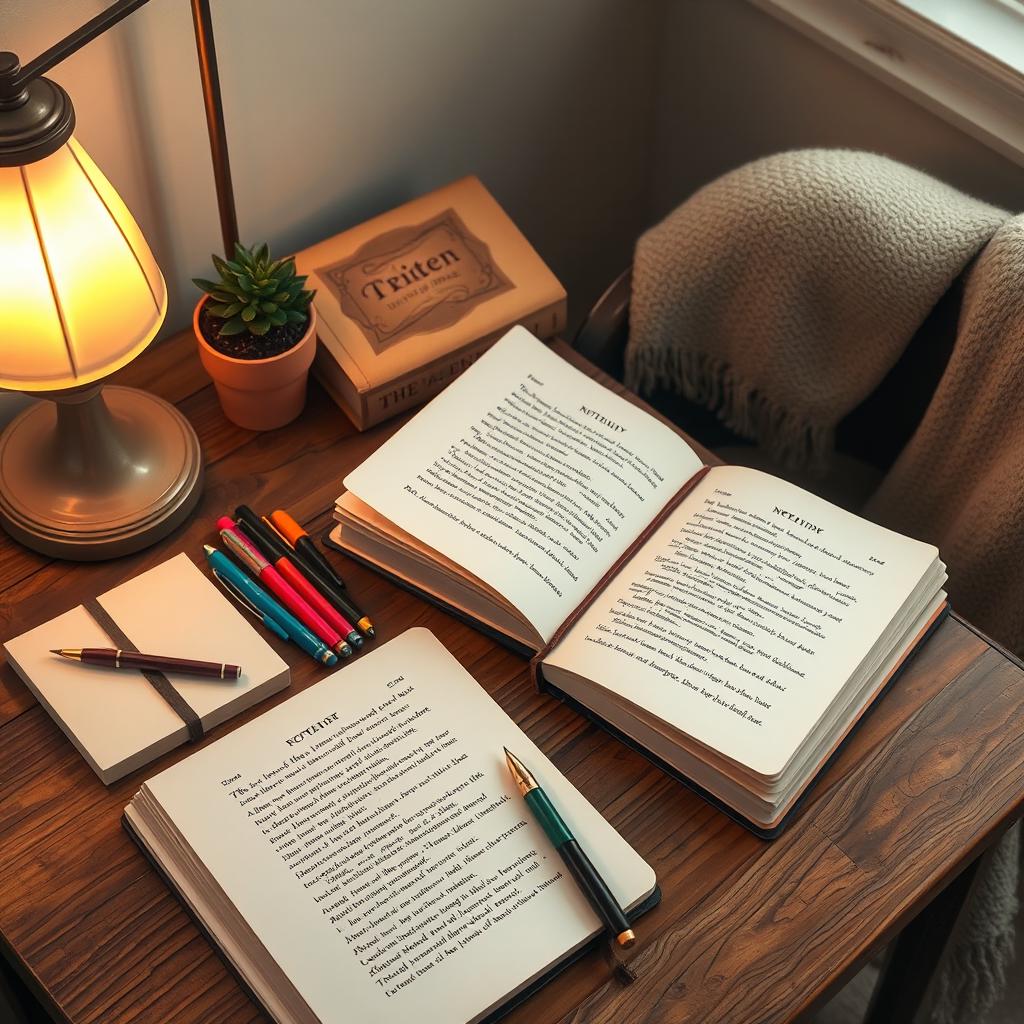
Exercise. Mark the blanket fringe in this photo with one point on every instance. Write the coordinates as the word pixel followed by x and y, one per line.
pixel 792 441
pixel 972 984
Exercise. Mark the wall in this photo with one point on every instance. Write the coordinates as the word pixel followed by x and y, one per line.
pixel 587 118
pixel 338 110
pixel 738 84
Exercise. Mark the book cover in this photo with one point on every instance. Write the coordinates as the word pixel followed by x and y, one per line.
pixel 407 300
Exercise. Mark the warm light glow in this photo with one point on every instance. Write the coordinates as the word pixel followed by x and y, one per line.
pixel 80 292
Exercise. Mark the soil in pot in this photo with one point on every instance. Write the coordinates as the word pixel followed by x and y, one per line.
pixel 246 345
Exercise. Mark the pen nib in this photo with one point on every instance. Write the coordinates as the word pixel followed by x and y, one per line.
pixel 520 773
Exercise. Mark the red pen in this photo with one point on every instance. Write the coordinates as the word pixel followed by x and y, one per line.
pixel 239 546
pixel 265 541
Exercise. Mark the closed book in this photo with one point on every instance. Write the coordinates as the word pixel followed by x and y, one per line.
pixel 408 300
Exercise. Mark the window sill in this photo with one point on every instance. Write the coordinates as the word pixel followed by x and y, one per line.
pixel 960 82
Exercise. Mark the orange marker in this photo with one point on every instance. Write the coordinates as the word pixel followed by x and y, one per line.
pixel 284 560
pixel 310 557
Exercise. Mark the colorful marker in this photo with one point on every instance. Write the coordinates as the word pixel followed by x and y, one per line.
pixel 277 619
pixel 242 549
pixel 267 542
pixel 338 595
pixel 303 544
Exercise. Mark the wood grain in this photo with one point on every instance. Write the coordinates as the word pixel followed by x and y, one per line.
pixel 746 931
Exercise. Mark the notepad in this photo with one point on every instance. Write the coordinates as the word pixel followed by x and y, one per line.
pixel 361 853
pixel 115 718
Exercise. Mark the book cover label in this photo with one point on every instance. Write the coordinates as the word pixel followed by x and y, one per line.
pixel 416 279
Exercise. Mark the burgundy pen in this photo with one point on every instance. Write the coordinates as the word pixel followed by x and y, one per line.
pixel 110 658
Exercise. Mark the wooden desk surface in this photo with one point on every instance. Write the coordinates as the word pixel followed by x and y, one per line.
pixel 747 931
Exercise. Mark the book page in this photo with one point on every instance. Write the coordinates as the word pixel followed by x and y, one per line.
pixel 529 475
pixel 370 834
pixel 739 621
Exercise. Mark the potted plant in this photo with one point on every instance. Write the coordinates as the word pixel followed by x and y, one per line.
pixel 256 331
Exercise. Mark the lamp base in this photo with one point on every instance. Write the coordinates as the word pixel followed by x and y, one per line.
pixel 98 474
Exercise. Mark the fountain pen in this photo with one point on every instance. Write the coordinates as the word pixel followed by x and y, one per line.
pixel 580 867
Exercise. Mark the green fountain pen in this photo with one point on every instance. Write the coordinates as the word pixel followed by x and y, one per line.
pixel 578 863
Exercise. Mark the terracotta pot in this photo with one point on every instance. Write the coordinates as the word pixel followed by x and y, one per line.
pixel 260 394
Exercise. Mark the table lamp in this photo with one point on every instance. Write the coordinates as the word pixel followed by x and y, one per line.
pixel 95 471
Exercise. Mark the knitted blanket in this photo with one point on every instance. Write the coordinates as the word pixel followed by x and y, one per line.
pixel 959 482
pixel 780 296
pixel 782 293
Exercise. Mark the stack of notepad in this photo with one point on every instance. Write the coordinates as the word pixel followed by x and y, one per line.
pixel 115 718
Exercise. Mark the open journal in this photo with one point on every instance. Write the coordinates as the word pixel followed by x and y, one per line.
pixel 729 624
pixel 361 853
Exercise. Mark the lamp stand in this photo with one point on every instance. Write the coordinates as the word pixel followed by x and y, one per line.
pixel 97 473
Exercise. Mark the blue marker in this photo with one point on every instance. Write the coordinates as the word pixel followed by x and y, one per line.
pixel 277 619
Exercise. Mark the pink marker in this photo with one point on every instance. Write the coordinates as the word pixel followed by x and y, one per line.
pixel 247 555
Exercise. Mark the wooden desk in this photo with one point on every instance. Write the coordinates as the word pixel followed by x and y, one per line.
pixel 747 931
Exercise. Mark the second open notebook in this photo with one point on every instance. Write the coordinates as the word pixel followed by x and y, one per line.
pixel 730 624
pixel 360 852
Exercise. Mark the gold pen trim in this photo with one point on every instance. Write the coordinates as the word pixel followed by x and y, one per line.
pixel 521 776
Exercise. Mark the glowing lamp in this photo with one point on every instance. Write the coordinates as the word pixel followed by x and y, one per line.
pixel 95 471
pixel 80 292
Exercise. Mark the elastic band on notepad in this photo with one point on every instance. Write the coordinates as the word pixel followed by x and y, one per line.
pixel 157 680
pixel 670 506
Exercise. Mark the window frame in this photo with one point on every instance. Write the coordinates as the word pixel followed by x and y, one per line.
pixel 962 83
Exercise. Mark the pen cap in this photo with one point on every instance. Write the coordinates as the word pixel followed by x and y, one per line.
pixel 296 537
pixel 290 530
pixel 239 598
pixel 275 627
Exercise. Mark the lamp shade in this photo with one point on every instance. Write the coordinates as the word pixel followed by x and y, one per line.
pixel 80 292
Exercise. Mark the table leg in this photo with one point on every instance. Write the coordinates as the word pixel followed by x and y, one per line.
pixel 905 989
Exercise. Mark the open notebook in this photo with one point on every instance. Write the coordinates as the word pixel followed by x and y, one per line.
pixel 730 624
pixel 359 853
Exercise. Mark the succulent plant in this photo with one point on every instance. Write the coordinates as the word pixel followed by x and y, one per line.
pixel 255 293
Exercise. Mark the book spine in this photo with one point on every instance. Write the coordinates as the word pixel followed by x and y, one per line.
pixel 537 662
pixel 548 322
pixel 339 388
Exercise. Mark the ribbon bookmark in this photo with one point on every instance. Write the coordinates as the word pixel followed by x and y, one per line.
pixel 157 680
